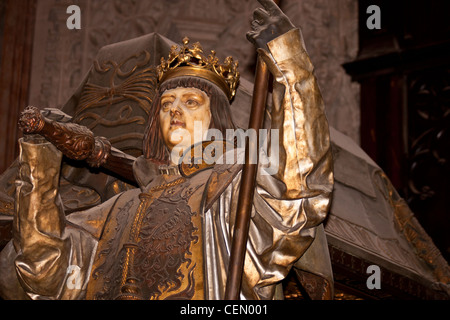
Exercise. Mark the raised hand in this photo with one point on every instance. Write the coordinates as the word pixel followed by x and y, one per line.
pixel 268 23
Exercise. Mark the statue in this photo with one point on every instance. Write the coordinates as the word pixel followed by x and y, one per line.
pixel 171 237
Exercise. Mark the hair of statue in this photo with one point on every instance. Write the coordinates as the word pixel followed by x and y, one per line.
pixel 154 147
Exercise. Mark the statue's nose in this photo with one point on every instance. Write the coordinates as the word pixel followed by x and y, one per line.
pixel 175 111
pixel 176 108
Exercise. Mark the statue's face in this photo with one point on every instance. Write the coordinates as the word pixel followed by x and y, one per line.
pixel 180 109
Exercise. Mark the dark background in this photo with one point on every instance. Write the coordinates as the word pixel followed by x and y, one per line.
pixel 404 73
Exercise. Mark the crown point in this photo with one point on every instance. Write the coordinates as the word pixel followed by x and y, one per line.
pixel 185 40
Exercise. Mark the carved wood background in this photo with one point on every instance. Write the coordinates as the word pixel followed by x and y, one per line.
pixel 16 40
pixel 429 151
pixel 61 57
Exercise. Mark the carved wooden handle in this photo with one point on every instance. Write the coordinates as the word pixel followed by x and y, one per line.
pixel 74 141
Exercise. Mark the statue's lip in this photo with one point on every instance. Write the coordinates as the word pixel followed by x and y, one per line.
pixel 177 123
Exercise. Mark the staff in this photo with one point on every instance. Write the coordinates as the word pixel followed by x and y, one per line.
pixel 248 180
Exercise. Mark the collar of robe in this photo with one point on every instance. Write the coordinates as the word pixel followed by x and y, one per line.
pixel 199 157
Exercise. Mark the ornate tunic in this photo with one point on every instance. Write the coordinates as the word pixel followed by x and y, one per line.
pixel 171 238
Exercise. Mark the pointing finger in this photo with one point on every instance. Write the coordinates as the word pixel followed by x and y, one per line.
pixel 270 6
pixel 260 14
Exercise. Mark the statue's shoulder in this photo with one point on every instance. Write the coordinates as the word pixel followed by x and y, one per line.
pixel 127 197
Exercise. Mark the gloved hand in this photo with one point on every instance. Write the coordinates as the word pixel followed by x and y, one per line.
pixel 268 24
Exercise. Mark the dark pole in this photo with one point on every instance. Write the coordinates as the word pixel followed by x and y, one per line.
pixel 248 183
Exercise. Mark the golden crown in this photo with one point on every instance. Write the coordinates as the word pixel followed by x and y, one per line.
pixel 185 61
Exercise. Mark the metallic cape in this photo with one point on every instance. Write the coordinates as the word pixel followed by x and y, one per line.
pixel 64 261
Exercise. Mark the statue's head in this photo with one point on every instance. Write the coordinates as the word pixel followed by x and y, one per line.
pixel 194 93
pixel 183 111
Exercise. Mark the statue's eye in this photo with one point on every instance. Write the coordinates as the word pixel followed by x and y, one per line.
pixel 166 105
pixel 191 103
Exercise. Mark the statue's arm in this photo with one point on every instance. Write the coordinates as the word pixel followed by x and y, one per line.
pixel 294 197
pixel 78 143
pixel 305 161
pixel 48 257
pixel 39 222
pixel 303 169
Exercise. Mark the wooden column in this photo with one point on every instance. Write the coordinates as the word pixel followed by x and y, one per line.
pixel 16 42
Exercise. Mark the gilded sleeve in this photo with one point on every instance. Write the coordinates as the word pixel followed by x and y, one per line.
pixel 47 258
pixel 294 198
